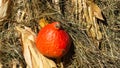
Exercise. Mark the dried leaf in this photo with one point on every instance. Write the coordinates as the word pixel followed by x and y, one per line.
pixel 24 36
pixel 43 22
pixel 97 30
pixel 1 65
pixel 3 8
pixel 91 16
pixel 99 35
pixel 33 58
pixel 94 30
pixel 91 12
pixel 91 32
pixel 95 10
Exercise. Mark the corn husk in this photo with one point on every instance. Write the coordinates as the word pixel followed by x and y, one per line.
pixel 33 58
pixel 91 12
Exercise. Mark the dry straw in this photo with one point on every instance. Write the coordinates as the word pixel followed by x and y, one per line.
pixel 94 26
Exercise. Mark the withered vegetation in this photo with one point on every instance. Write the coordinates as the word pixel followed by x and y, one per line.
pixel 86 51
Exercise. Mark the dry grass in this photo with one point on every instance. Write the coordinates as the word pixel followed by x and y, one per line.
pixel 83 53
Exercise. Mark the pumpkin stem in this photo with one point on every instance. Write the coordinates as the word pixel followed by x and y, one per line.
pixel 57 25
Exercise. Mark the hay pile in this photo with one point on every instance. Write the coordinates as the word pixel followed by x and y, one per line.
pixel 84 53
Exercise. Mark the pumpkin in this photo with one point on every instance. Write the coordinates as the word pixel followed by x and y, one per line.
pixel 52 41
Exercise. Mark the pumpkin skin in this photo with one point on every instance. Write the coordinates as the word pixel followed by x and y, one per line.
pixel 52 41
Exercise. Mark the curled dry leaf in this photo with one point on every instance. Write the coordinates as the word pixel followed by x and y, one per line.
pixel 95 10
pixel 3 8
pixel 33 58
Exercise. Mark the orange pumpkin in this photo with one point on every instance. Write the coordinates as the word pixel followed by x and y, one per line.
pixel 52 41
